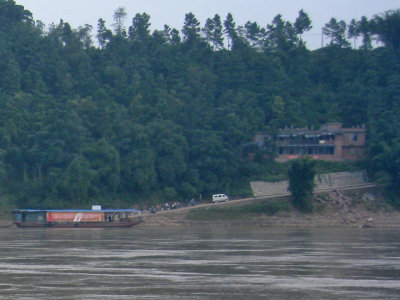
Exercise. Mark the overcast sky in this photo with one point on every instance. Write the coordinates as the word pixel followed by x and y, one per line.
pixel 172 12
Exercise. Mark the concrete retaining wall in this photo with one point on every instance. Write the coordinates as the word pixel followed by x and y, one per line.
pixel 323 181
pixel 341 179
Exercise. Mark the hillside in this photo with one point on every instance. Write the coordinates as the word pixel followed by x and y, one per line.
pixel 133 116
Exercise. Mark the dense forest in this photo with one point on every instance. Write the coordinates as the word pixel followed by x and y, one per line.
pixel 117 116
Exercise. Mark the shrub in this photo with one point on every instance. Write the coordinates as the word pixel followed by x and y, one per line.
pixel 301 183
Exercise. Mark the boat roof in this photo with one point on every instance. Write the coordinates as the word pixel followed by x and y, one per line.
pixel 75 210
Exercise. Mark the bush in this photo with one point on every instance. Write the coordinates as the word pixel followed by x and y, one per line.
pixel 301 183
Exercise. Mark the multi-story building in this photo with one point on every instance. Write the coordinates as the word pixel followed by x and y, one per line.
pixel 330 142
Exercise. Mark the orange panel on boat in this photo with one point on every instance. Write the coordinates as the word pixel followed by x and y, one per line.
pixel 75 217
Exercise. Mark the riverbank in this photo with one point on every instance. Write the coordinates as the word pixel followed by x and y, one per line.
pixel 365 208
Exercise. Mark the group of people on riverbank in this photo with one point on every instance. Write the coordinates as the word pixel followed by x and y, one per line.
pixel 168 206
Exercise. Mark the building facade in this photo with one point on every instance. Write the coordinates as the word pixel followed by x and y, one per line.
pixel 330 142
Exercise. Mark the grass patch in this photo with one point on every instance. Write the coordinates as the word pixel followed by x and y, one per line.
pixel 324 167
pixel 276 178
pixel 238 212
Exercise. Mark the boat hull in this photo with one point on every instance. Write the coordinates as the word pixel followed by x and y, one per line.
pixel 77 224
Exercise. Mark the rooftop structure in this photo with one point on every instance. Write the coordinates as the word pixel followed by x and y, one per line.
pixel 330 142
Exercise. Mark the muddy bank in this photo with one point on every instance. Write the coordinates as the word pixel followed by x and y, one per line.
pixel 6 222
pixel 360 219
pixel 357 209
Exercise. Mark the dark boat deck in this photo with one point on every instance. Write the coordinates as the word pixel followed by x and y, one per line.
pixel 77 225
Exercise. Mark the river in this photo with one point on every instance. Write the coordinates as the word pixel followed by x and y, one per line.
pixel 199 263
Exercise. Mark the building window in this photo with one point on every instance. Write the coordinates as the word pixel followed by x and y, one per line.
pixel 354 137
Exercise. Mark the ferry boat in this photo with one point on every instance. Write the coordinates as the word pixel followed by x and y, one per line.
pixel 73 218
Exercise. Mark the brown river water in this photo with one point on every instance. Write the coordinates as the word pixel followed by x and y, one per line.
pixel 199 263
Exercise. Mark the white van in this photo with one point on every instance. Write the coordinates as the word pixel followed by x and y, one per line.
pixel 219 198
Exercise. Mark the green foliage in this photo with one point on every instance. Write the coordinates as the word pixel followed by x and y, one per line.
pixel 269 208
pixel 78 180
pixel 169 193
pixel 324 167
pixel 387 27
pixel 303 23
pixel 336 31
pixel 301 183
pixel 140 115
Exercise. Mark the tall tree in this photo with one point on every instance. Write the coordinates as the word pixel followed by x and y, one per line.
pixel 12 14
pixel 83 34
pixel 364 27
pixel 119 19
pixel 302 23
pixel 336 31
pixel 139 31
pixel 387 27
pixel 191 29
pixel 254 34
pixel 353 31
pixel 230 30
pixel 281 34
pixel 175 38
pixel 103 34
pixel 213 32
pixel 360 28
pixel 208 30
pixel 217 37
